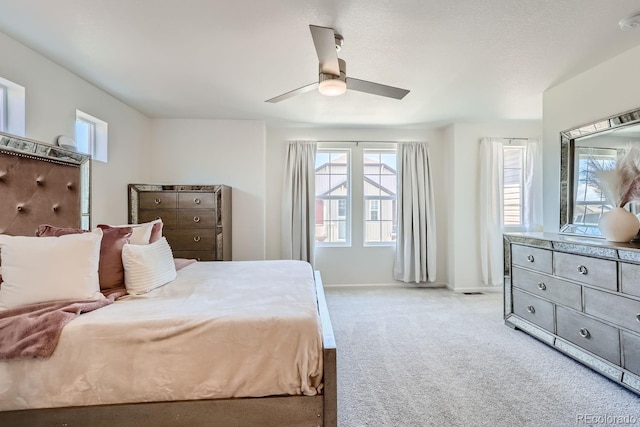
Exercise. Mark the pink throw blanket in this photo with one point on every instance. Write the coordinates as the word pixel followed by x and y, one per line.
pixel 33 331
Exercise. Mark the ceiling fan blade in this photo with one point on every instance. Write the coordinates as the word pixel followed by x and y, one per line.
pixel 293 93
pixel 325 41
pixel 375 88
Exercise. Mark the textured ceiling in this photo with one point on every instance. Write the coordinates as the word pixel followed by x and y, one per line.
pixel 463 60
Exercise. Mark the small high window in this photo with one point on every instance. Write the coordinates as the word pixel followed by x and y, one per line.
pixel 12 108
pixel 91 136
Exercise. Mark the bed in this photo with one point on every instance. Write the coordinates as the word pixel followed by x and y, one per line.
pixel 283 368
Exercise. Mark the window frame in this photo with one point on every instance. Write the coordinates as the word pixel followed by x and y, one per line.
pixel 520 225
pixel 4 108
pixel 603 156
pixel 13 108
pixel 98 137
pixel 379 198
pixel 347 199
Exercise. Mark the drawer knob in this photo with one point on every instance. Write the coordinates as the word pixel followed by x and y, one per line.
pixel 584 333
pixel 638 317
pixel 582 269
pixel 196 201
pixel 530 258
pixel 196 219
pixel 196 239
pixel 531 309
pixel 157 201
pixel 542 286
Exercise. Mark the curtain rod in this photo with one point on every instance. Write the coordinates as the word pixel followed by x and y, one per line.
pixel 507 139
pixel 353 141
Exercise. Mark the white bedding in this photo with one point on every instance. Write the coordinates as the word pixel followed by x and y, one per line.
pixel 220 329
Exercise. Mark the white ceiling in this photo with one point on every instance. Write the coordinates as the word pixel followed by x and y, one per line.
pixel 463 60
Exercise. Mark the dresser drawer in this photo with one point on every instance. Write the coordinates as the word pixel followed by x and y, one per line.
pixel 631 352
pixel 198 255
pixel 534 258
pixel 592 271
pixel 630 278
pixel 589 334
pixel 616 309
pixel 196 218
pixel 158 200
pixel 169 217
pixel 533 309
pixel 549 287
pixel 191 239
pixel 196 201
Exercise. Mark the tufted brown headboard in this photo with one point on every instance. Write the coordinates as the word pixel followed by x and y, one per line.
pixel 38 185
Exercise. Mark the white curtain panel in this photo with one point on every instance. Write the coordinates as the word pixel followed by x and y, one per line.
pixel 298 201
pixel 415 258
pixel 491 200
pixel 532 196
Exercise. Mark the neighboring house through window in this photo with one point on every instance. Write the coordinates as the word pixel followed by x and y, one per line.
pixel 376 188
pixel 333 196
pixel 379 188
pixel 91 135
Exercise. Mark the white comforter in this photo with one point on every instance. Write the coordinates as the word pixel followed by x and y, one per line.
pixel 221 329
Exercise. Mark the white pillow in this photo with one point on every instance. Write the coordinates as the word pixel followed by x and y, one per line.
pixel 147 267
pixel 41 269
pixel 141 233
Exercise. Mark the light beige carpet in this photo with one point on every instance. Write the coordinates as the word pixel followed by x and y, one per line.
pixel 430 357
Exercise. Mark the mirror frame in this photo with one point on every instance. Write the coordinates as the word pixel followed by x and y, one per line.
pixel 567 154
pixel 54 153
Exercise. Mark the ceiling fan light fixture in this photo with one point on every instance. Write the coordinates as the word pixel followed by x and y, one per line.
pixel 332 87
pixel 630 22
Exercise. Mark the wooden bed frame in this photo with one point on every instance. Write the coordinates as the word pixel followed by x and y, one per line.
pixel 20 161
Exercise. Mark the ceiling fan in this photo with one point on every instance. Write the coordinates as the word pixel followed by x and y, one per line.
pixel 333 80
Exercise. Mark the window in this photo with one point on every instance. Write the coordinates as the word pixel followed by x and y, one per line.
pixel 333 197
pixel 91 136
pixel 379 191
pixel 3 108
pixel 590 202
pixel 513 185
pixel 12 107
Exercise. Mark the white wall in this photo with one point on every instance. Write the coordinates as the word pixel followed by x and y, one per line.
pixel 605 90
pixel 230 152
pixel 463 140
pixel 52 96
pixel 355 265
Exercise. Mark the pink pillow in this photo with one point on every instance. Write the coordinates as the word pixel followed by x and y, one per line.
pixel 156 232
pixel 110 268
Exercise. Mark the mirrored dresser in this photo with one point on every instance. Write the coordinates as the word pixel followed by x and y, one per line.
pixel 578 295
pixel 196 218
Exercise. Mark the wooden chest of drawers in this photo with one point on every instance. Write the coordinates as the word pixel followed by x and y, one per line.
pixel 579 295
pixel 196 218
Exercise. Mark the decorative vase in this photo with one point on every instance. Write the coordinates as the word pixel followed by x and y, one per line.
pixel 619 225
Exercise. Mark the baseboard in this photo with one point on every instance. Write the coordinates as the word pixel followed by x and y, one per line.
pixel 478 289
pixel 387 285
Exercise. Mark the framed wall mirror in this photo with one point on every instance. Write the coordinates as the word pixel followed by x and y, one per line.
pixel 602 142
